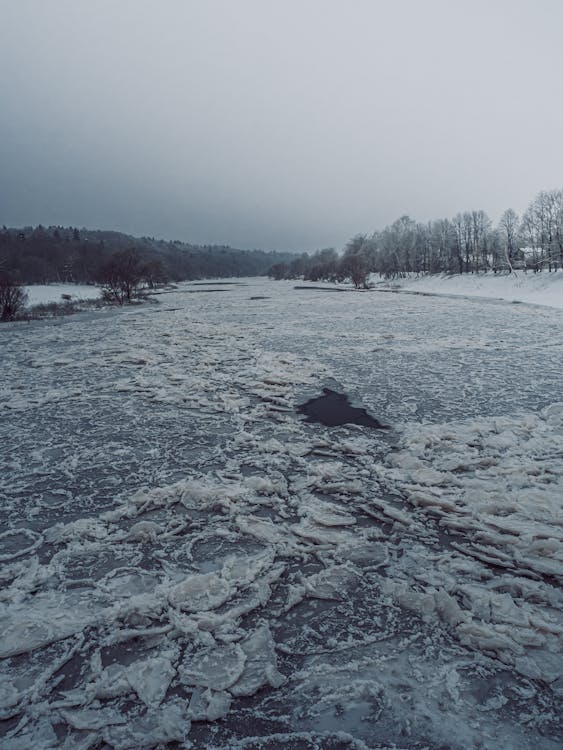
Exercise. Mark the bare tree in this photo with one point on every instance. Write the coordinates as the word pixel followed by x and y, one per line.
pixel 152 273
pixel 542 225
pixel 508 227
pixel 481 231
pixel 445 249
pixel 121 275
pixel 554 201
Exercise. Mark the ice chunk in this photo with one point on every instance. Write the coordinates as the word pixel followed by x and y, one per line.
pixel 216 667
pixel 330 583
pixel 209 705
pixel 323 534
pixel 45 619
pixel 485 638
pixel 164 725
pixel 263 530
pixel 40 735
pixel 200 592
pixel 112 682
pixel 9 697
pixel 423 604
pixel 329 514
pixel 244 570
pixel 150 679
pixel 374 553
pixel 262 485
pixel 414 470
pixel 448 609
pixel 542 665
pixel 553 414
pixel 144 530
pixel 295 595
pixel 92 718
pixel 261 663
pixel 272 446
pixel 123 583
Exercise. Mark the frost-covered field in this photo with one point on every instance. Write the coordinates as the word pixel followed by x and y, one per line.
pixel 185 560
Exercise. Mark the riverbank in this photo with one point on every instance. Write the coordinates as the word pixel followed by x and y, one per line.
pixel 534 288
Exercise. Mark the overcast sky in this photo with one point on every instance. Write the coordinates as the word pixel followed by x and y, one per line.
pixel 282 124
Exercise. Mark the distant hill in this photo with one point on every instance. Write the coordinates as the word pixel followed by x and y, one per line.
pixel 42 255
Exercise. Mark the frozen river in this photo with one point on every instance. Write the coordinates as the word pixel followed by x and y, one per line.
pixel 185 560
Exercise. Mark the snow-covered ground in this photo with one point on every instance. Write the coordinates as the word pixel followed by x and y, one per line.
pixel 42 294
pixel 536 288
pixel 186 560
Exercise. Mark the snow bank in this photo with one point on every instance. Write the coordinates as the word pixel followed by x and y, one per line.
pixel 536 288
pixel 43 294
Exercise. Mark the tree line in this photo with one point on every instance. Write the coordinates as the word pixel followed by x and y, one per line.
pixel 43 255
pixel 466 243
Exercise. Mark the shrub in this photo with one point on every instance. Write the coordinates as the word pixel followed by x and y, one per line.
pixel 13 299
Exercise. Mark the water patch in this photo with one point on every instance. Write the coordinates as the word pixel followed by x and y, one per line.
pixel 214 283
pixel 333 409
pixel 321 289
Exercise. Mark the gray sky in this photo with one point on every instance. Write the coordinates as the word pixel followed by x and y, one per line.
pixel 282 124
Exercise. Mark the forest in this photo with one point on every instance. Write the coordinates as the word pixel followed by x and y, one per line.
pixel 466 243
pixel 43 255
